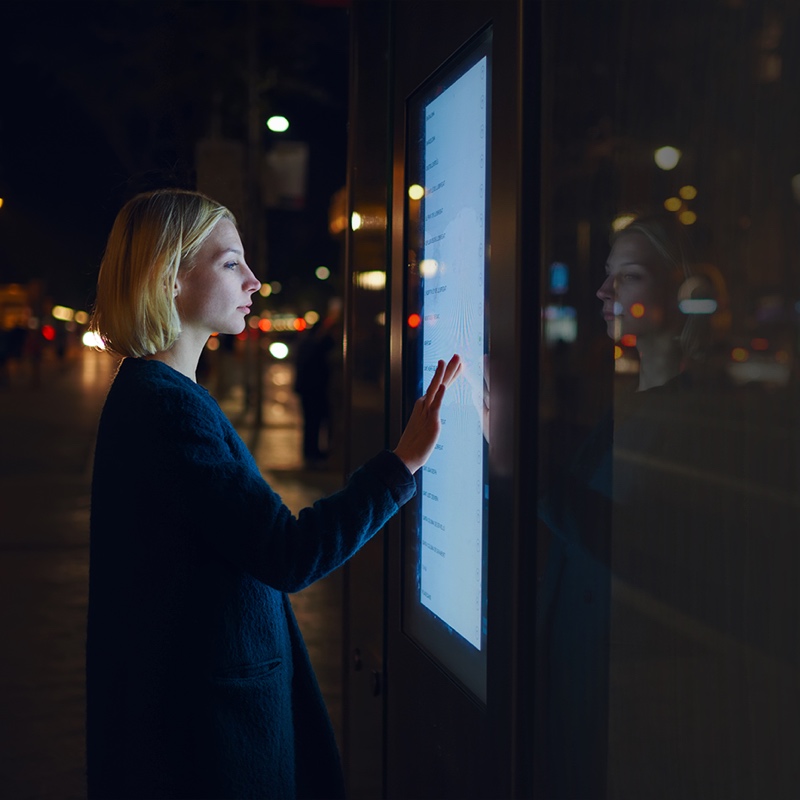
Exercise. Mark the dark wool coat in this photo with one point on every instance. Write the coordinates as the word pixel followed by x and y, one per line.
pixel 198 681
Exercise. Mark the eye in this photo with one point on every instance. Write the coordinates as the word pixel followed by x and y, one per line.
pixel 231 265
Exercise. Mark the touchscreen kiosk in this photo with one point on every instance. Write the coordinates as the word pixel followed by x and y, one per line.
pixel 445 529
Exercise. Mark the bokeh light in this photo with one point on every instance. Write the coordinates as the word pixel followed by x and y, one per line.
pixel 667 158
pixel 278 124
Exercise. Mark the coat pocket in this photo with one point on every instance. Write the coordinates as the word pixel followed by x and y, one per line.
pixel 247 733
pixel 247 672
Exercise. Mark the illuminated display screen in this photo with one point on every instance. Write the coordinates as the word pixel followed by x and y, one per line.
pixel 449 121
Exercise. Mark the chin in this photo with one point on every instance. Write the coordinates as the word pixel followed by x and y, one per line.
pixel 234 329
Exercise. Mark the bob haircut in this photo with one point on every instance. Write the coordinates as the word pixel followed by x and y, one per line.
pixel 670 243
pixel 155 235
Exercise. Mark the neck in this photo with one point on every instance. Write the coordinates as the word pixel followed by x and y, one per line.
pixel 183 356
pixel 659 361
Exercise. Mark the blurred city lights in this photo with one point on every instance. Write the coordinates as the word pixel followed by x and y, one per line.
pixel 323 273
pixel 278 350
pixel 697 306
pixel 265 325
pixel 373 280
pixel 275 286
pixel 213 343
pixel 81 317
pixel 63 313
pixel 667 158
pixel 688 192
pixel 428 267
pixel 687 217
pixel 673 204
pixel 621 222
pixel 311 317
pixel 414 320
pixel 637 310
pixel 266 290
pixel 278 124
pixel 355 221
pixel 92 339
pixel 617 351
pixel 739 354
pixel 299 324
pixel 628 340
pixel 416 192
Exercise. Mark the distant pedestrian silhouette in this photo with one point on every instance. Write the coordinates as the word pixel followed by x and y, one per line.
pixel 312 384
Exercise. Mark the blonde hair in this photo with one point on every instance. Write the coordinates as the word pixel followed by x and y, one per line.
pixel 670 243
pixel 155 235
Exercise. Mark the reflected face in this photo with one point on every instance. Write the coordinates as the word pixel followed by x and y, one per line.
pixel 633 292
pixel 214 294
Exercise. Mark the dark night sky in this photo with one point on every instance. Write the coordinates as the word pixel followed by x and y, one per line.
pixel 102 98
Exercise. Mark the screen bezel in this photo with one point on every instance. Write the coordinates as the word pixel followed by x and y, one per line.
pixel 462 661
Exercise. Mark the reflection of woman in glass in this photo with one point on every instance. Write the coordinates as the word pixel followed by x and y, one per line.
pixel 646 272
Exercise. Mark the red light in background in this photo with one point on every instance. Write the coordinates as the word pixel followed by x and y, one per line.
pixel 300 324
pixel 49 332
pixel 242 337
pixel 637 310
pixel 265 325
pixel 628 340
pixel 759 344
pixel 414 320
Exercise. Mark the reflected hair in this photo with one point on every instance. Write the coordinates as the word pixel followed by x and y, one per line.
pixel 155 235
pixel 670 243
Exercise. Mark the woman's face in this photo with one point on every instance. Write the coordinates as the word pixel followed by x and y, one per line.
pixel 634 293
pixel 213 296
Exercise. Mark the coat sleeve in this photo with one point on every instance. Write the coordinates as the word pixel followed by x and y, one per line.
pixel 223 501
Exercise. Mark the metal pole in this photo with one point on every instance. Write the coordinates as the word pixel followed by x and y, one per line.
pixel 255 211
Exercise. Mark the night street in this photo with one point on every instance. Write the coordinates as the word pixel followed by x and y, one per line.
pixel 46 447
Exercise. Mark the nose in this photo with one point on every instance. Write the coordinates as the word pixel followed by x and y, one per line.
pixel 251 283
pixel 606 290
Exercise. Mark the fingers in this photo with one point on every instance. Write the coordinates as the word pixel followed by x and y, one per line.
pixel 442 377
pixel 453 369
pixel 436 403
pixel 436 381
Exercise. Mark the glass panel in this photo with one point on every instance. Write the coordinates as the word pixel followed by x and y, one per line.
pixel 445 543
pixel 669 609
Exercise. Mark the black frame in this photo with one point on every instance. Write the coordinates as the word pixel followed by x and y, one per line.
pixel 451 652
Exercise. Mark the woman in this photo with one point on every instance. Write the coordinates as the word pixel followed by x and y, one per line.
pixel 198 680
pixel 647 275
pixel 603 511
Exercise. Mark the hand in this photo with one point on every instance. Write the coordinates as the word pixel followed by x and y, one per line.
pixel 420 435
